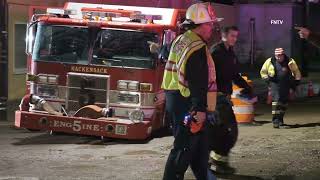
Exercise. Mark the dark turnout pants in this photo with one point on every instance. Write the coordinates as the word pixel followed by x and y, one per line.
pixel 223 134
pixel 188 149
pixel 280 96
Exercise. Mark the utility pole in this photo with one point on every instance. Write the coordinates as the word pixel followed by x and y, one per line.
pixel 304 54
pixel 3 59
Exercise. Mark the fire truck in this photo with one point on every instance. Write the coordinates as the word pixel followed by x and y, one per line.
pixel 91 70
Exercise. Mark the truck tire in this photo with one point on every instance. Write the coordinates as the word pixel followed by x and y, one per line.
pixel 223 135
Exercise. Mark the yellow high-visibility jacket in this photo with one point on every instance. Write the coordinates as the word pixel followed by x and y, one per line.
pixel 174 75
pixel 181 49
pixel 268 70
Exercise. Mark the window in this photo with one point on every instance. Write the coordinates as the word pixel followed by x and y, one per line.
pixel 124 48
pixel 63 44
pixel 20 58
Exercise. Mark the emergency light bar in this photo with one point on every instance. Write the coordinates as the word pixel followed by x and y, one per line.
pixel 99 15
pixel 146 17
pixel 120 12
pixel 61 11
pixel 100 12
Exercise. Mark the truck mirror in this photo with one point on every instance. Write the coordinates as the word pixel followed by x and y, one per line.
pixel 30 37
pixel 164 51
pixel 169 36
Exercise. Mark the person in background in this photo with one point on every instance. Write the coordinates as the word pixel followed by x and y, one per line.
pixel 281 73
pixel 223 135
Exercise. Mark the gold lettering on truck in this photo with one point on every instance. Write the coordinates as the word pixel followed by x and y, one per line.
pixel 84 69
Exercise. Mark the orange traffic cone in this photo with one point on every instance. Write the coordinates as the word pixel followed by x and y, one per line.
pixel 310 89
pixel 269 98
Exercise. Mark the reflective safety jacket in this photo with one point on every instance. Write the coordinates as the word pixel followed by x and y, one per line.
pixel 268 69
pixel 175 71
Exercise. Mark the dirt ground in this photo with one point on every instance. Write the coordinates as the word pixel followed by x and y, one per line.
pixel 261 152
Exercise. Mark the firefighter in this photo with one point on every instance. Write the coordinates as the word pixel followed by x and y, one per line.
pixel 223 136
pixel 189 79
pixel 281 73
pixel 312 37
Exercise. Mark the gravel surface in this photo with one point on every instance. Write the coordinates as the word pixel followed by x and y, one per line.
pixel 260 153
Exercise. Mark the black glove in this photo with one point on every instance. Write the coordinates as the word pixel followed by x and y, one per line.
pixel 246 91
pixel 271 79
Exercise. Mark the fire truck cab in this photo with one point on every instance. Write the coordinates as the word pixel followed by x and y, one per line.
pixel 92 70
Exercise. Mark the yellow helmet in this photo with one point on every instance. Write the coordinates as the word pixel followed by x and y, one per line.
pixel 200 13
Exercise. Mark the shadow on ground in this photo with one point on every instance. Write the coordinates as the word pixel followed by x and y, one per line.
pixel 63 138
pixel 239 177
pixel 245 177
pixel 45 137
pixel 303 125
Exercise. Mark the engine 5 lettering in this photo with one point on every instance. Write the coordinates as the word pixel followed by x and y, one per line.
pixel 76 125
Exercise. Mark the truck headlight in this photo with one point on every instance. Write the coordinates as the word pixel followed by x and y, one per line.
pixel 52 79
pixel 133 86
pixel 125 97
pixel 136 116
pixel 47 91
pixel 124 85
pixel 42 79
pixel 47 79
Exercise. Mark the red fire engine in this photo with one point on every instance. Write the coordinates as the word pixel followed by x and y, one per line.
pixel 91 70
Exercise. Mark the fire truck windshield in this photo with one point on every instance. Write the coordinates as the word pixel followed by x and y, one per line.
pixel 64 44
pixel 124 48
pixel 111 47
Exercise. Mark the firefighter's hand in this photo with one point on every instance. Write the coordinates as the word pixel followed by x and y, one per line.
pixel 154 47
pixel 303 32
pixel 200 117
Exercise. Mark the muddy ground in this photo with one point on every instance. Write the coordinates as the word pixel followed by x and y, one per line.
pixel 261 152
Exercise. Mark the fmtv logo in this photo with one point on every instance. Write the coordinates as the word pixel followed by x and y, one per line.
pixel 276 21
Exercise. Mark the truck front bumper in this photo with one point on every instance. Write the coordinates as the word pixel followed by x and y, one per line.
pixel 106 127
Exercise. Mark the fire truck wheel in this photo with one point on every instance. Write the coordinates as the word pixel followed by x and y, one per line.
pixel 224 134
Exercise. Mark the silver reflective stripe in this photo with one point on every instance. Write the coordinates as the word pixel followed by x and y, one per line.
pixel 243 109
pixel 171 66
pixel 187 50
pixel 276 112
pixel 218 157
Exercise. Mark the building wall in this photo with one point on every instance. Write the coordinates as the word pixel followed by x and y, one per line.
pixel 18 14
pixel 267 36
pixel 16 81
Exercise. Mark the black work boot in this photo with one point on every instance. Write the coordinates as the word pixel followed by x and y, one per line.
pixel 276 123
pixel 220 167
pixel 281 124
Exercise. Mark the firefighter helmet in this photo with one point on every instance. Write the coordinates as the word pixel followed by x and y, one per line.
pixel 200 13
